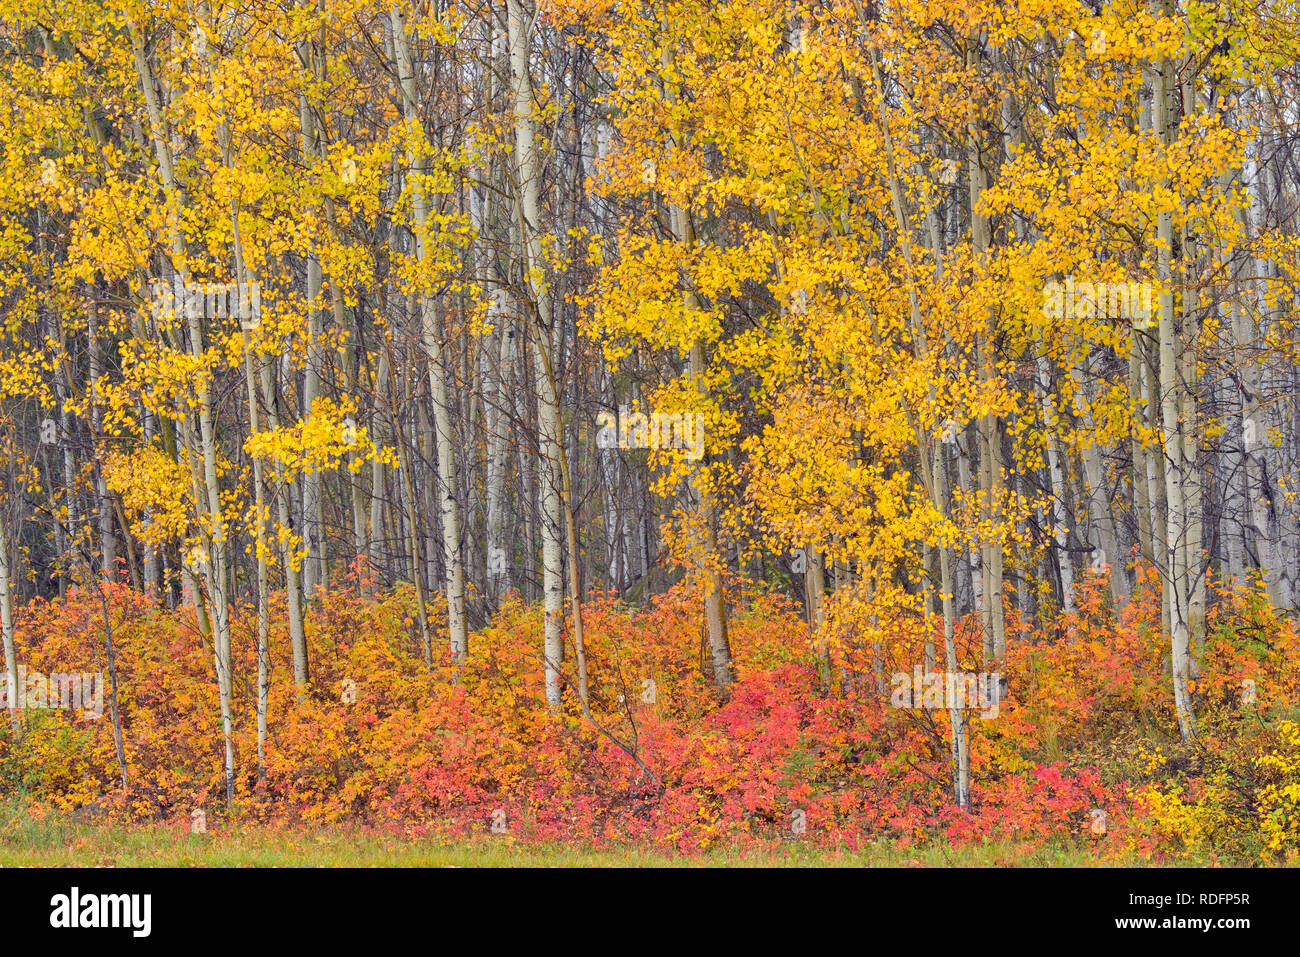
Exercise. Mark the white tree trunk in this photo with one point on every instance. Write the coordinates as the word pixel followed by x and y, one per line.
pixel 1060 526
pixel 1174 350
pixel 431 336
pixel 7 622
pixel 528 172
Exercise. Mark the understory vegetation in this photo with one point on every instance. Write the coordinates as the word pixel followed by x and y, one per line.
pixel 1081 758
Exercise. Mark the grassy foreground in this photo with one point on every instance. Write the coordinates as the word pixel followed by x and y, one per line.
pixel 38 841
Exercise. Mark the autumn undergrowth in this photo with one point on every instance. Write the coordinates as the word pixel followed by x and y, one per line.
pixel 39 839
pixel 384 761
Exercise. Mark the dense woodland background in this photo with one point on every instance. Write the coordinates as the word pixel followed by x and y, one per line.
pixel 833 231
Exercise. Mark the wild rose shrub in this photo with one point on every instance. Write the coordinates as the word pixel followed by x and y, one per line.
pixel 1081 753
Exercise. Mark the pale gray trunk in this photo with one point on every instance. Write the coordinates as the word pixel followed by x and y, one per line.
pixel 1106 557
pixel 497 425
pixel 1139 450
pixel 314 573
pixel 528 172
pixel 263 576
pixel 933 474
pixel 107 539
pixel 378 483
pixel 453 566
pixel 1174 349
pixel 1060 525
pixel 989 427
pixel 290 554
pixel 207 495
pixel 974 570
pixel 956 715
pixel 7 622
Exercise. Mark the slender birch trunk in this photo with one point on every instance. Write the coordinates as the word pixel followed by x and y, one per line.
pixel 528 173
pixel 431 335
pixel 932 472
pixel 207 493
pixel 990 440
pixel 1176 349
pixel 7 623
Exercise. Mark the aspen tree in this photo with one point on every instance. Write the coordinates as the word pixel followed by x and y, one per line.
pixel 527 170
pixel 431 337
